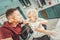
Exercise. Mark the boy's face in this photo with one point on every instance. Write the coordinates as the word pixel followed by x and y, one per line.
pixel 15 17
pixel 33 16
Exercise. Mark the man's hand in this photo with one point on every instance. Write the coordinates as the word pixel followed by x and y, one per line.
pixel 25 22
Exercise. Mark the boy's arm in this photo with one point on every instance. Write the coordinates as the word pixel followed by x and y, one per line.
pixel 44 31
pixel 43 21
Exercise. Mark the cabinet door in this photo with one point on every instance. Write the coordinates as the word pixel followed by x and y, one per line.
pixel 44 14
pixel 14 4
pixel 57 10
pixel 40 14
pixel 50 13
pixel 2 10
pixel 5 3
pixel 4 6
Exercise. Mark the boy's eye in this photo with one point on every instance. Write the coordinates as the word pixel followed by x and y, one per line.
pixel 13 18
pixel 18 15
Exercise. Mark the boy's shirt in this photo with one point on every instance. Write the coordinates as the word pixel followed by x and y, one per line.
pixel 36 25
pixel 5 33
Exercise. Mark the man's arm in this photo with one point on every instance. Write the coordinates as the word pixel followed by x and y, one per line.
pixel 7 38
pixel 5 34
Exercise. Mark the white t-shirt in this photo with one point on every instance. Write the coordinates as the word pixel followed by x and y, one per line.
pixel 36 25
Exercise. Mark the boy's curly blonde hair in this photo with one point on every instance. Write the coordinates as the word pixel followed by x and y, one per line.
pixel 32 12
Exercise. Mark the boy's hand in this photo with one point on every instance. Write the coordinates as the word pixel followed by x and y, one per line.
pixel 53 33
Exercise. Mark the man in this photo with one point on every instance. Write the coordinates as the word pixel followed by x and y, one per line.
pixel 11 29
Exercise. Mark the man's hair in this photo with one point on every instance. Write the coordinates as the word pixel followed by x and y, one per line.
pixel 9 12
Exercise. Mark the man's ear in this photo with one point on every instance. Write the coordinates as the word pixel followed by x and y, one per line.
pixel 10 21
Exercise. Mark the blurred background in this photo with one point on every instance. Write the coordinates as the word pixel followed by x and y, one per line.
pixel 47 9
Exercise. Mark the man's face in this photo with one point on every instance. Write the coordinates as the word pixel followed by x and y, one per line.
pixel 15 16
